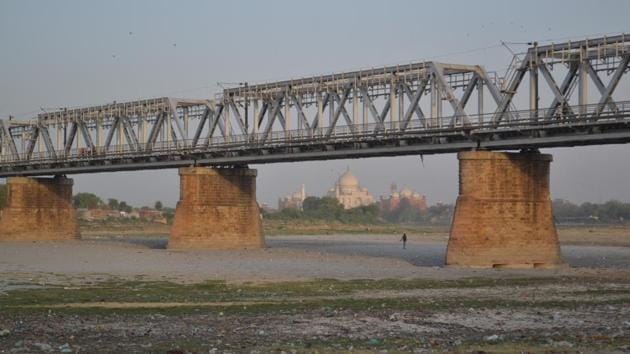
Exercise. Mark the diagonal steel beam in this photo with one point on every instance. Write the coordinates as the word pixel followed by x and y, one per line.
pixel 438 72
pixel 614 81
pixel 383 114
pixel 506 100
pixel 237 115
pixel 271 118
pixel 600 86
pixel 153 134
pixel 378 118
pixel 45 136
pixel 175 118
pixel 215 121
pixel 495 92
pixel 174 137
pixel 6 131
pixel 558 92
pixel 413 104
pixel 469 90
pixel 202 122
pixel 283 122
pixel 86 134
pixel 130 134
pixel 261 113
pixel 30 147
pixel 325 101
pixel 70 138
pixel 340 109
pixel 300 111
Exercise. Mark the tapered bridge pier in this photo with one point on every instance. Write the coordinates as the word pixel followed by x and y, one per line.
pixel 217 210
pixel 503 216
pixel 38 209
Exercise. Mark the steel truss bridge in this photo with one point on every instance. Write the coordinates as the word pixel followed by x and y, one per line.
pixel 419 108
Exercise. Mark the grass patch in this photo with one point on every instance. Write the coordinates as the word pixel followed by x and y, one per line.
pixel 273 297
pixel 324 306
pixel 220 291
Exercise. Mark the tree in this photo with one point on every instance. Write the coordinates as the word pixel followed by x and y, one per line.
pixel 87 201
pixel 565 209
pixel 367 214
pixel 123 206
pixel 322 208
pixel 113 204
pixel 407 212
pixel 158 205
pixel 311 203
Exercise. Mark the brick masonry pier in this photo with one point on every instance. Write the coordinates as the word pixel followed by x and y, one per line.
pixel 217 210
pixel 39 209
pixel 503 216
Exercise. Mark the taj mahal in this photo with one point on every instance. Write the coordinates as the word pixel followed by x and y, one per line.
pixel 349 193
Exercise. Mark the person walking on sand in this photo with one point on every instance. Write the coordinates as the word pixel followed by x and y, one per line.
pixel 404 240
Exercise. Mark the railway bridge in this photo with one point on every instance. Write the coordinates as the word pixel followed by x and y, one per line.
pixel 553 95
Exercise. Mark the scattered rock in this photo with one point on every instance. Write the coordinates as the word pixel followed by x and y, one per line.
pixel 373 341
pixel 65 348
pixel 45 347
pixel 4 332
pixel 491 338
pixel 562 343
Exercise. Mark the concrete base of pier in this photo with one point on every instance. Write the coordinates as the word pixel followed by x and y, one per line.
pixel 39 209
pixel 503 216
pixel 217 210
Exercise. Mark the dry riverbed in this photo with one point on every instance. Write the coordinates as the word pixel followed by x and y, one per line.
pixel 331 293
pixel 535 314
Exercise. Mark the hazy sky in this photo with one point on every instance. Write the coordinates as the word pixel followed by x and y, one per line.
pixel 73 53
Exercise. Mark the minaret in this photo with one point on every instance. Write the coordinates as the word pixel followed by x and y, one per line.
pixel 303 192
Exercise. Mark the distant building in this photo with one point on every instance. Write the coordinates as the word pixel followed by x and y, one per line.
pixel 293 201
pixel 150 214
pixel 349 193
pixel 415 199
pixel 97 214
pixel 266 207
pixel 103 214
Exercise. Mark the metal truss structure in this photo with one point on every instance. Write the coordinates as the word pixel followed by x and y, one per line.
pixel 420 108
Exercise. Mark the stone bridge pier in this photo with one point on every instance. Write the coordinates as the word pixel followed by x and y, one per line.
pixel 503 216
pixel 39 209
pixel 217 210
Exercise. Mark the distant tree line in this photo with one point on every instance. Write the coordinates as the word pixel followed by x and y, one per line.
pixel 406 213
pixel 92 201
pixel 328 208
pixel 612 211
